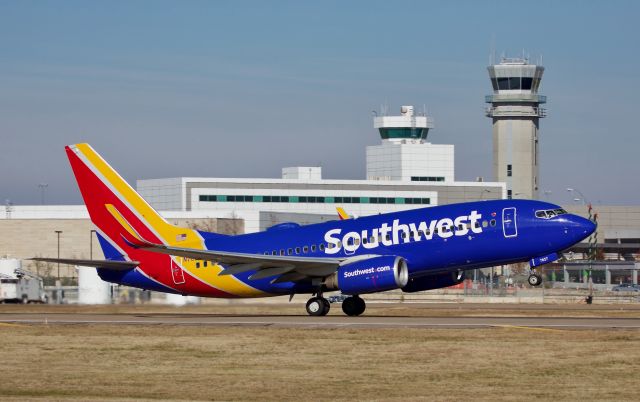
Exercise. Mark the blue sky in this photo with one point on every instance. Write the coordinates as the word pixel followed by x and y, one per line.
pixel 241 89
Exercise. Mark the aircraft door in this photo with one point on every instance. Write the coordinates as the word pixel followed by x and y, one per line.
pixel 176 273
pixel 509 226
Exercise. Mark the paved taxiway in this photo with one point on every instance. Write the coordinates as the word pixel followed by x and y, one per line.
pixel 320 322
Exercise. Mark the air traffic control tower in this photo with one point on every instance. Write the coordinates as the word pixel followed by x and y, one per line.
pixel 404 152
pixel 516 112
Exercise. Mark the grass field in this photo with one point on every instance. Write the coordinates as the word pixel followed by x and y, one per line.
pixel 244 363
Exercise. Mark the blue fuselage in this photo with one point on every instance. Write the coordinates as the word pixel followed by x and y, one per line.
pixel 431 240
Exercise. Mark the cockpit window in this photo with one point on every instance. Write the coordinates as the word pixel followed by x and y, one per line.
pixel 550 213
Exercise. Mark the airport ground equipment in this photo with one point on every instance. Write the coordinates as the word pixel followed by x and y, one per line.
pixel 22 289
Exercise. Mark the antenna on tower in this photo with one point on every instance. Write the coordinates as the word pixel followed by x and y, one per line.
pixel 492 51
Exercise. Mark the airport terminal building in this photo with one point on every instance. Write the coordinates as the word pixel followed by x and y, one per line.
pixel 404 171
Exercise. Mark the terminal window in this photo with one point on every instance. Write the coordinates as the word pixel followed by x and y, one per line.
pixel 427 178
pixel 316 200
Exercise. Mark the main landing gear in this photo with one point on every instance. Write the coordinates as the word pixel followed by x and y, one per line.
pixel 318 306
pixel 353 306
pixel 535 279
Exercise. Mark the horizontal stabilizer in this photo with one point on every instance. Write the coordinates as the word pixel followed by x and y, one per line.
pixel 104 264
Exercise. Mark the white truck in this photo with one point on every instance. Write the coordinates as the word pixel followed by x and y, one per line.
pixel 22 289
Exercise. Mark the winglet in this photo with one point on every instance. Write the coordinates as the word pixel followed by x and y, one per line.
pixel 342 214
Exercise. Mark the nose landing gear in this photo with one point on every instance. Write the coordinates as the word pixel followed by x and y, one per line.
pixel 535 279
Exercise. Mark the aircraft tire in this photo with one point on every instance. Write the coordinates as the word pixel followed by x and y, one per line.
pixel 327 305
pixel 535 280
pixel 361 305
pixel 353 306
pixel 317 306
pixel 349 306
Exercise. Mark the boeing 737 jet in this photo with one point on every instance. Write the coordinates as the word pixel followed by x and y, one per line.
pixel 414 250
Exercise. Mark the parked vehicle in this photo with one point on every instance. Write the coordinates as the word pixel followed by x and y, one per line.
pixel 337 298
pixel 22 290
pixel 626 287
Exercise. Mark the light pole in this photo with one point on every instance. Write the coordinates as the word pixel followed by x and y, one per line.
pixel 591 255
pixel 58 232
pixel 584 199
pixel 43 188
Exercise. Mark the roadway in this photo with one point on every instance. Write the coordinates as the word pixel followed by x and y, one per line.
pixel 303 321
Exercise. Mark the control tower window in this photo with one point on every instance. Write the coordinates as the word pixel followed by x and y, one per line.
pixel 504 83
pixel 408 132
pixel 509 171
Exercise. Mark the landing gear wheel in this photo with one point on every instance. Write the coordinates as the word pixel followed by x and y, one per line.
pixel 318 306
pixel 353 306
pixel 535 280
pixel 327 305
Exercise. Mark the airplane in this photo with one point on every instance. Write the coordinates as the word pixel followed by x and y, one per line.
pixel 414 250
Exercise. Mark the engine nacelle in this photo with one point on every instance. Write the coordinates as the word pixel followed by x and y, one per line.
pixel 436 281
pixel 369 276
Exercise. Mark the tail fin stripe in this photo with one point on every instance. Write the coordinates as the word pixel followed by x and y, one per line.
pixel 129 214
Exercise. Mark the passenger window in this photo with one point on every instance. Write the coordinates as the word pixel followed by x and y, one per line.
pixel 313 247
pixel 205 263
pixel 198 264
pixel 321 246
pixel 493 222
pixel 297 250
pixel 365 240
pixel 281 251
pixel 305 249
pixel 290 251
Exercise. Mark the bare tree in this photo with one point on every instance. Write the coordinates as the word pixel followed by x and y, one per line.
pixel 206 225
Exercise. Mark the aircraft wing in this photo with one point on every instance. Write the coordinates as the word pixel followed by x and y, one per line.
pixel 284 267
pixel 106 264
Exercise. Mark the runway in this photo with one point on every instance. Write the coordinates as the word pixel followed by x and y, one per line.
pixel 303 321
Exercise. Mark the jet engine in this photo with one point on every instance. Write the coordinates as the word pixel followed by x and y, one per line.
pixel 435 281
pixel 375 274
